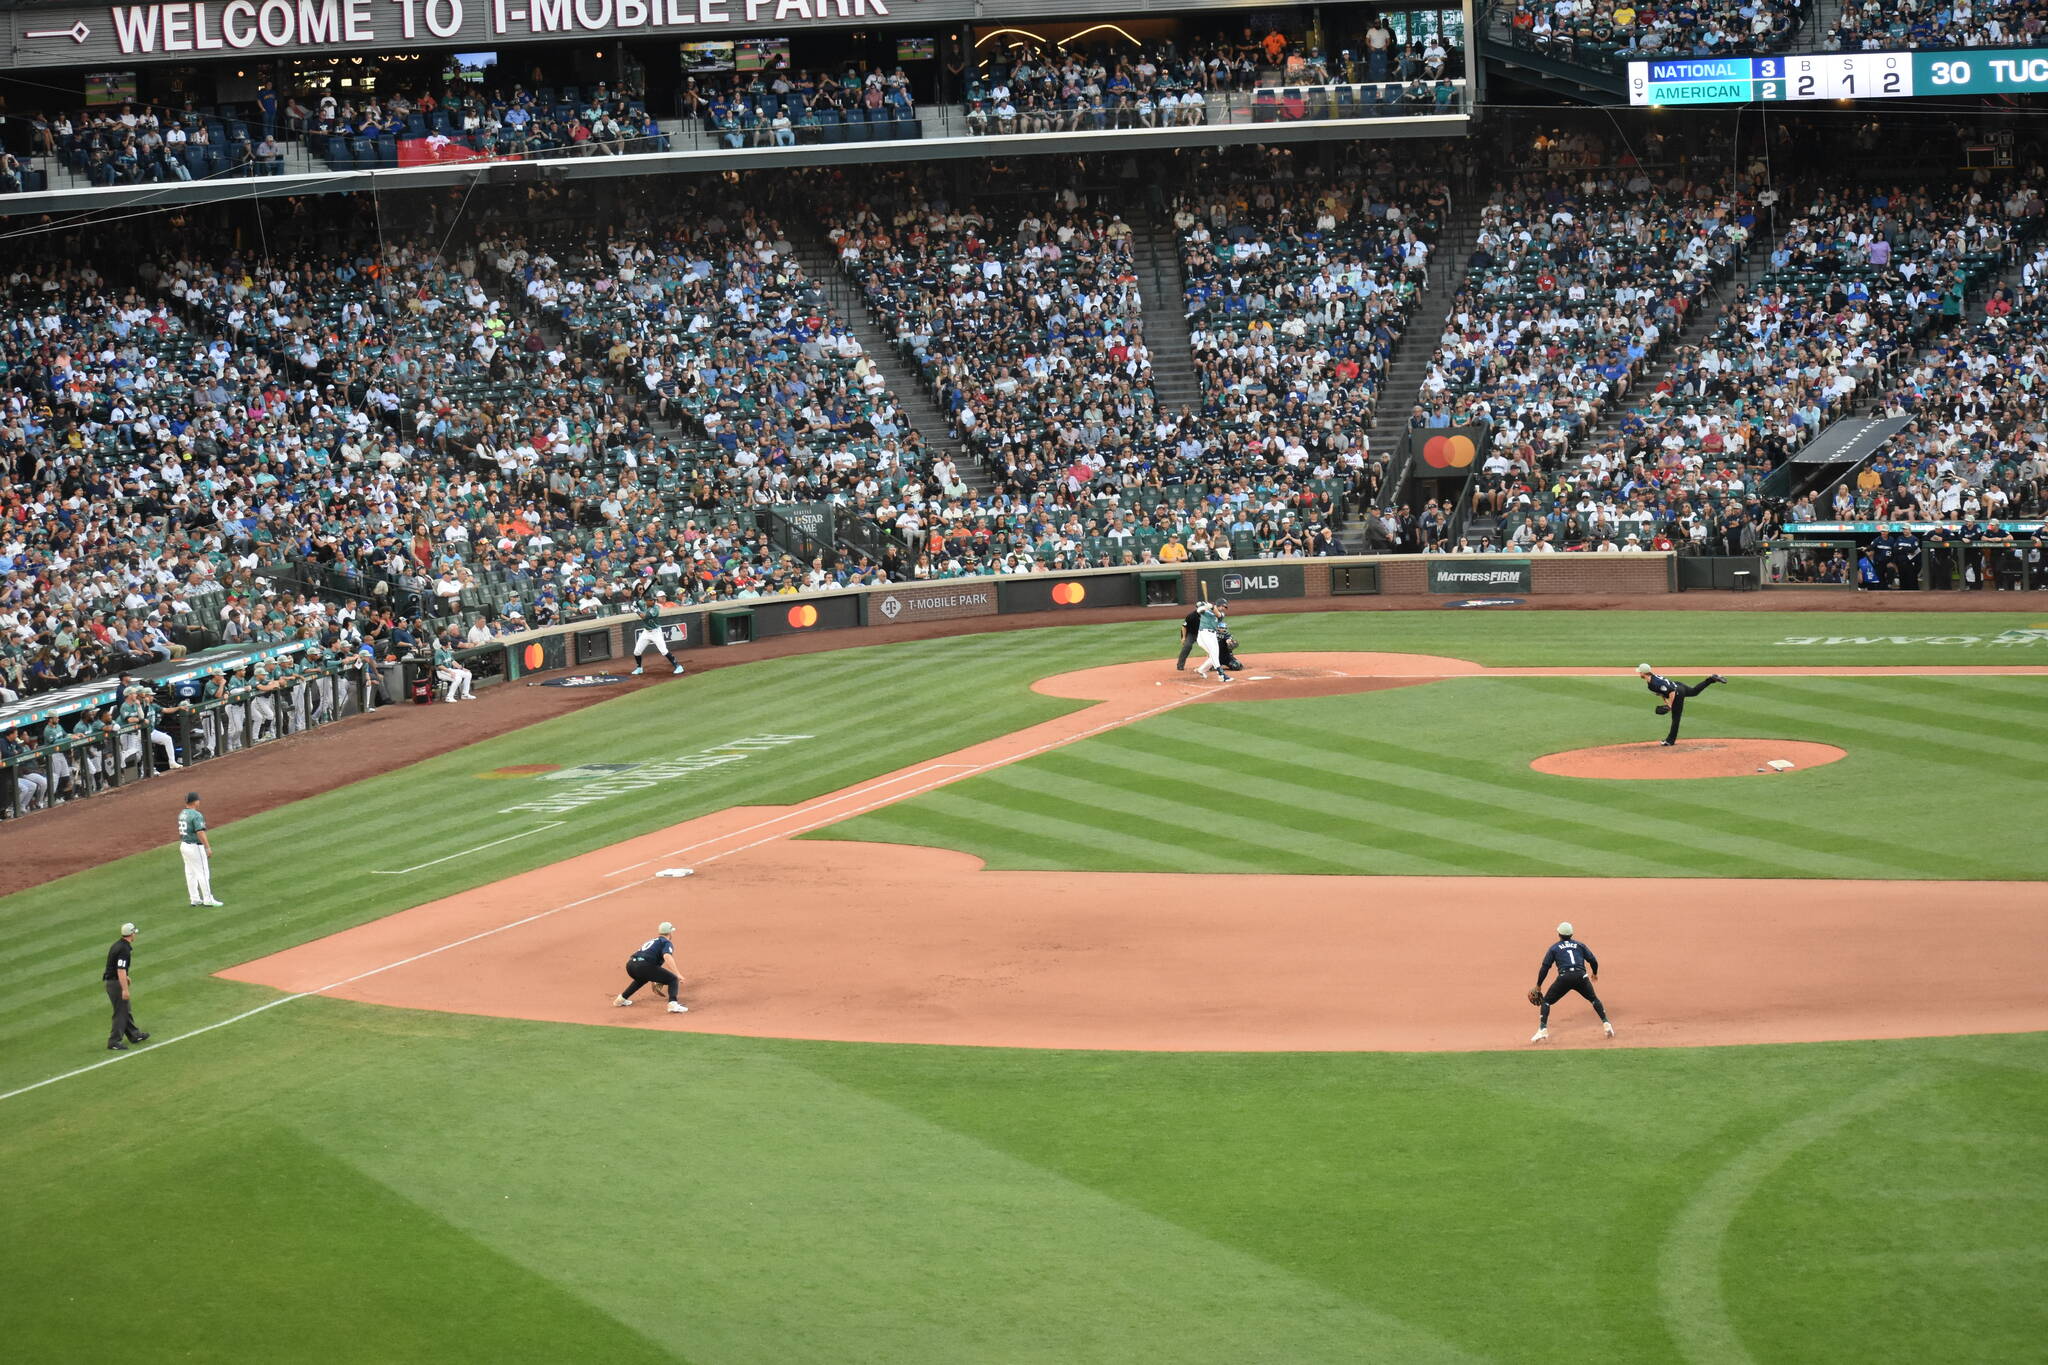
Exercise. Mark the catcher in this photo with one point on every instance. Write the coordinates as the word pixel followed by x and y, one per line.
pixel 1573 961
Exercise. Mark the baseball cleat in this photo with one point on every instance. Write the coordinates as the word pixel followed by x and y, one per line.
pixel 637 672
pixel 215 904
pixel 1716 677
pixel 1541 1035
pixel 1666 743
pixel 678 1007
pixel 198 902
pixel 117 1047
pixel 621 1001
pixel 140 1038
pixel 1609 1026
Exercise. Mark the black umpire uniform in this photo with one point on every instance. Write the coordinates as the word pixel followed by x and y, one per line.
pixel 119 956
pixel 1674 694
pixel 1573 960
pixel 1190 626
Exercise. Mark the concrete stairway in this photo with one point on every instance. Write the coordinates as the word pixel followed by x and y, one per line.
pixel 1408 362
pixel 1174 384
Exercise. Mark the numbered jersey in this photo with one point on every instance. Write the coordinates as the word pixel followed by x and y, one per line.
pixel 1570 958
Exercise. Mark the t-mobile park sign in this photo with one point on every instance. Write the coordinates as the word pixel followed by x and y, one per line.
pixel 48 37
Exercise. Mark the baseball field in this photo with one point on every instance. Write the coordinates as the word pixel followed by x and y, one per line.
pixel 1047 1006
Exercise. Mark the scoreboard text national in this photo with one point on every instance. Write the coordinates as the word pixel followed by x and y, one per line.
pixel 1838 76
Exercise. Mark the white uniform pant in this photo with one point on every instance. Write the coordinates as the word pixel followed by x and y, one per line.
pixel 33 787
pixel 263 718
pixel 198 875
pixel 1212 655
pixel 458 682
pixel 165 746
pixel 646 640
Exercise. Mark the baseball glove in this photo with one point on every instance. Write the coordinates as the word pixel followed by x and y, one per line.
pixel 1663 710
pixel 1535 996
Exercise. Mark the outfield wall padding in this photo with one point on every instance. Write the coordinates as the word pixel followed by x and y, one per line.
pixel 868 610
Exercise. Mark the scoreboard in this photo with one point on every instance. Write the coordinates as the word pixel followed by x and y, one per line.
pixel 1839 76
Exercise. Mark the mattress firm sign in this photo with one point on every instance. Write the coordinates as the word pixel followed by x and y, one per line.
pixel 65 36
pixel 1469 576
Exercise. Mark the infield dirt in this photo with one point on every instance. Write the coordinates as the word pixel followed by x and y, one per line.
pixel 884 943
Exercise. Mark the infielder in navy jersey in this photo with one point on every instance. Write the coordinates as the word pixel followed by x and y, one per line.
pixel 1674 694
pixel 1573 961
pixel 654 962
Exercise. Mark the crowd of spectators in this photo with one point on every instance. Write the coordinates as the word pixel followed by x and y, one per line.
pixel 1029 330
pixel 1599 32
pixel 1296 291
pixel 1871 25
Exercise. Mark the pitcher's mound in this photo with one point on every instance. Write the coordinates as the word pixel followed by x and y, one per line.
pixel 1688 758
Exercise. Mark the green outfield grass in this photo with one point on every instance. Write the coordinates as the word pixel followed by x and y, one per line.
pixel 1946 778
pixel 330 1181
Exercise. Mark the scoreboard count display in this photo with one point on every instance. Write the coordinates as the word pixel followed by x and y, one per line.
pixel 1838 76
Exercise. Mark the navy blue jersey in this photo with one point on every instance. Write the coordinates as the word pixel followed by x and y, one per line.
pixel 1570 957
pixel 654 951
pixel 1660 684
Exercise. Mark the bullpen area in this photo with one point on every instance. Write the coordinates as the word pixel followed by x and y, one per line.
pixel 1052 1004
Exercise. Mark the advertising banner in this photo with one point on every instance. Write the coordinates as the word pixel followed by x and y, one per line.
pixel 804 616
pixel 1278 580
pixel 1055 594
pixel 937 602
pixel 1467 576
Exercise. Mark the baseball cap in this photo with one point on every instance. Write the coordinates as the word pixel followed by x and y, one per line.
pixel 128 929
pixel 1644 668
pixel 1565 930
pixel 665 928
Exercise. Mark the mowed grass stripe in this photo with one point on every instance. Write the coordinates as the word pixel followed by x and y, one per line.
pixel 1684 806
pixel 2017 704
pixel 1875 714
pixel 1694 836
pixel 1304 829
pixel 1246 844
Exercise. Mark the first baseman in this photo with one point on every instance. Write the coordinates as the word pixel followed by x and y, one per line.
pixel 197 851
pixel 653 637
pixel 1573 961
pixel 1674 694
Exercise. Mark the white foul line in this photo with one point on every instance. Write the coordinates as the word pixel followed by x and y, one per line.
pixel 400 872
pixel 322 990
pixel 793 814
pixel 962 769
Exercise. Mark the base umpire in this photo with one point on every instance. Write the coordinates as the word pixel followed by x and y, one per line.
pixel 119 955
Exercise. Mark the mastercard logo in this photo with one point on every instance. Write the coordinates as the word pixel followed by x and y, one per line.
pixel 1069 594
pixel 533 656
pixel 1449 452
pixel 803 617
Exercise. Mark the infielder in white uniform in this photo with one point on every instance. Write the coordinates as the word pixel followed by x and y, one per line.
pixel 197 851
pixel 652 637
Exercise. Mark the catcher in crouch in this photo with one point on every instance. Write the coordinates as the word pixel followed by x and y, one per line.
pixel 1573 960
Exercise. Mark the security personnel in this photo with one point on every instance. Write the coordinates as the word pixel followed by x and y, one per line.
pixel 1189 624
pixel 1573 961
pixel 655 961
pixel 119 955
